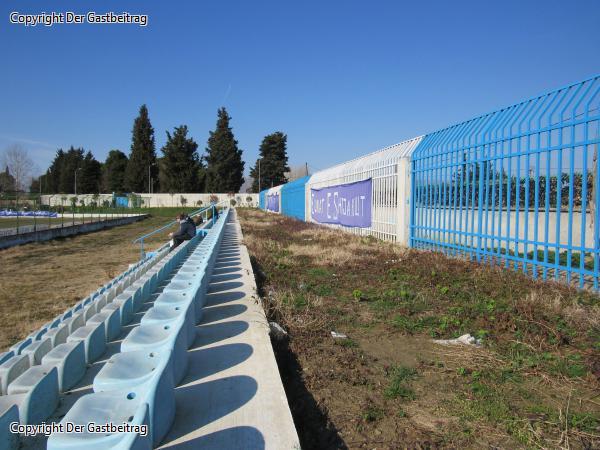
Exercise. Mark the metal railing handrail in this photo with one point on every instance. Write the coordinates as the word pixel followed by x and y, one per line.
pixel 170 224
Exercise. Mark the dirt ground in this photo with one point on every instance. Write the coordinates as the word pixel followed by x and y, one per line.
pixel 41 280
pixel 534 382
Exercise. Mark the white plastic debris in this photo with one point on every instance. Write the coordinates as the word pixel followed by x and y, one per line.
pixel 277 331
pixel 465 339
pixel 336 335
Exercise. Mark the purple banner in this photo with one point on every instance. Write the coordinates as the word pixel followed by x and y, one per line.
pixel 273 202
pixel 344 204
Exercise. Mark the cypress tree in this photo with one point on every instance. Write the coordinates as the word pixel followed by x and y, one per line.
pixel 225 168
pixel 180 162
pixel 143 154
pixel 7 181
pixel 273 162
pixel 54 171
pixel 89 178
pixel 114 172
pixel 71 161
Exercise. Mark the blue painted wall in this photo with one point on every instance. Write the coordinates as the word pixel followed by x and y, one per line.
pixel 292 198
pixel 262 199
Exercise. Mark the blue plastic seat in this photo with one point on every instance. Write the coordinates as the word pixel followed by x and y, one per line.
pixel 136 296
pixel 19 346
pixel 94 341
pixel 6 356
pixel 150 377
pixel 104 407
pixel 59 334
pixel 11 369
pixel 37 350
pixel 101 302
pixel 124 305
pixel 77 320
pixel 37 391
pixel 164 314
pixel 89 311
pixel 187 289
pixel 111 319
pixel 161 339
pixel 69 360
pixel 9 413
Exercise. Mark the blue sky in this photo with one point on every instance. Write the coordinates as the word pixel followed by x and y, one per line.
pixel 341 78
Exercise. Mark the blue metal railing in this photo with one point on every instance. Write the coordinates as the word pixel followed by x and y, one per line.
pixel 212 207
pixel 516 187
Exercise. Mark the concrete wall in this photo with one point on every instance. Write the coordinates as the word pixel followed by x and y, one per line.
pixel 157 200
pixel 500 221
pixel 52 233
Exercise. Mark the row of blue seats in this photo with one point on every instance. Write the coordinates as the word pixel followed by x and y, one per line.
pixel 53 359
pixel 11 213
pixel 137 385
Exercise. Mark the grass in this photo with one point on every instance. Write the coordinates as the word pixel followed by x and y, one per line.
pixel 541 341
pixel 399 377
pixel 11 222
pixel 40 280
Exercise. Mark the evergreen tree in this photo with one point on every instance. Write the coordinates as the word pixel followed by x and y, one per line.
pixel 180 162
pixel 53 174
pixel 143 154
pixel 89 178
pixel 114 172
pixel 225 167
pixel 71 161
pixel 34 187
pixel 202 175
pixel 7 181
pixel 273 162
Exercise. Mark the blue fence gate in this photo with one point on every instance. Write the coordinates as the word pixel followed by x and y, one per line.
pixel 516 187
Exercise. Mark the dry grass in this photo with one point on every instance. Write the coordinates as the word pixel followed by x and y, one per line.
pixel 534 384
pixel 40 280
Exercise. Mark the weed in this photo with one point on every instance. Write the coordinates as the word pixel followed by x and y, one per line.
pixel 347 343
pixel 318 272
pixel 372 414
pixel 399 376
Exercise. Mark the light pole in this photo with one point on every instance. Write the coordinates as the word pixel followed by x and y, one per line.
pixel 150 178
pixel 259 175
pixel 76 170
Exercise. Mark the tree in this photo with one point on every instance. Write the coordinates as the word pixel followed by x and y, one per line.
pixel 143 155
pixel 225 167
pixel 273 162
pixel 52 177
pixel 113 177
pixel 7 181
pixel 19 165
pixel 89 179
pixel 71 161
pixel 35 185
pixel 180 163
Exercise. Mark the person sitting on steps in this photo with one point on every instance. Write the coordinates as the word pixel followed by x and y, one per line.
pixel 187 230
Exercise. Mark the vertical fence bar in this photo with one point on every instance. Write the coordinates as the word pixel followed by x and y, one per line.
pixel 476 193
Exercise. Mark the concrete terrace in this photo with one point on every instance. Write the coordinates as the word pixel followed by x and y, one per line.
pixel 232 396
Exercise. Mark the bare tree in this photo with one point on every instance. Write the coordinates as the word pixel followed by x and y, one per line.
pixel 19 164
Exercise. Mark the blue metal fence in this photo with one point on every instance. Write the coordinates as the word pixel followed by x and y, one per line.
pixel 262 199
pixel 516 187
pixel 293 202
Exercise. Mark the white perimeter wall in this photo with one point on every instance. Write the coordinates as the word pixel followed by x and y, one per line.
pixel 389 169
pixel 156 200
